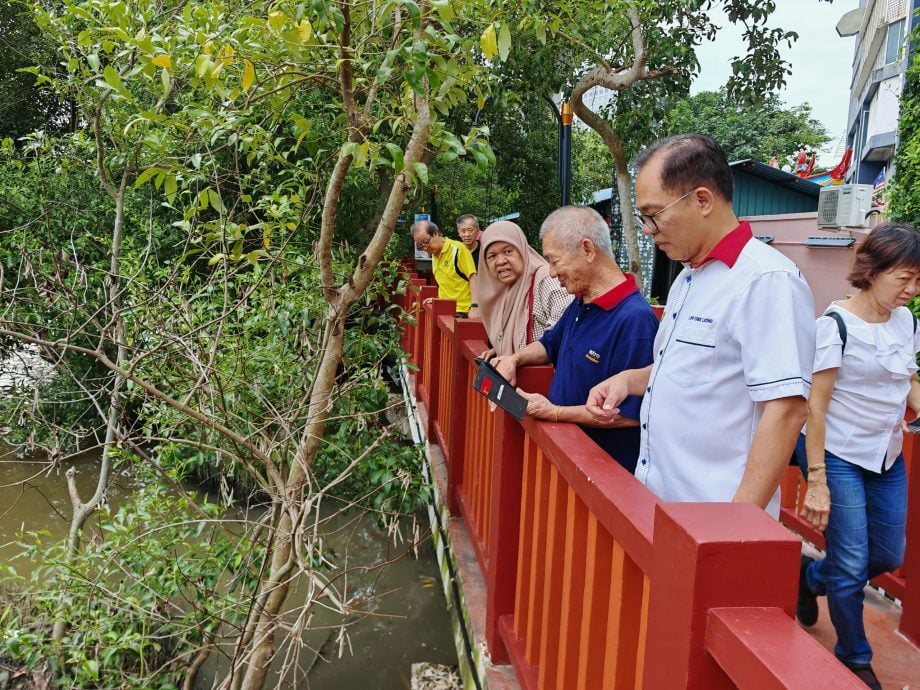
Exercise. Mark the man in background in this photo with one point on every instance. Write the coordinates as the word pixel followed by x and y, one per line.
pixel 468 230
pixel 452 265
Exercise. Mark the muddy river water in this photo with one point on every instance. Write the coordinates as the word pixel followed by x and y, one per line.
pixel 403 621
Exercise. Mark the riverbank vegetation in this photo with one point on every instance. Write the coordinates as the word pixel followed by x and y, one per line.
pixel 202 254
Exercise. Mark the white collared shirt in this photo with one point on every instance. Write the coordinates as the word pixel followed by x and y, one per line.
pixel 730 339
pixel 867 404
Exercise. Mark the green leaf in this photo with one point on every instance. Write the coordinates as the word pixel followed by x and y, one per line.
pixel 540 29
pixel 276 19
pixel 504 41
pixel 169 187
pixel 216 203
pixel 488 42
pixel 421 170
pixel 91 666
pixel 146 175
pixel 166 80
pixel 249 75
pixel 113 80
pixel 396 153
pixel 445 11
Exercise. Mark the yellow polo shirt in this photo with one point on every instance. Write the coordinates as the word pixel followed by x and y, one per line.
pixel 454 257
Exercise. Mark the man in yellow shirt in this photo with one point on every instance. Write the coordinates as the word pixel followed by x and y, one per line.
pixel 452 265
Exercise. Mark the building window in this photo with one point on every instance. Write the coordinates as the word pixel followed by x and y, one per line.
pixel 893 41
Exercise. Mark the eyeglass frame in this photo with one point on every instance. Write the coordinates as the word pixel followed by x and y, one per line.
pixel 647 220
pixel 424 244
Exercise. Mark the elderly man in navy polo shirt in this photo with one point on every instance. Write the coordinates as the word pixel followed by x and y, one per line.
pixel 609 327
pixel 725 398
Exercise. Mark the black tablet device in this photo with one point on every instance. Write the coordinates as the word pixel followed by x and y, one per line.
pixel 914 426
pixel 490 383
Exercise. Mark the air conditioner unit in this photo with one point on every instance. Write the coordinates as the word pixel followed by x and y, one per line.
pixel 844 206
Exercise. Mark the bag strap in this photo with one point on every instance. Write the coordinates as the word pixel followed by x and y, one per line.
pixel 842 327
pixel 529 337
pixel 457 265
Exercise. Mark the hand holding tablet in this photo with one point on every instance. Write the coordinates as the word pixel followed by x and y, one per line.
pixel 490 383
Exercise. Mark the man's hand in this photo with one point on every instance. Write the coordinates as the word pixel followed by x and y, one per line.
pixel 539 407
pixel 488 354
pixel 473 313
pixel 507 367
pixel 604 399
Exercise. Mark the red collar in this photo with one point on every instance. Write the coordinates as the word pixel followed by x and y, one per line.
pixel 729 247
pixel 612 298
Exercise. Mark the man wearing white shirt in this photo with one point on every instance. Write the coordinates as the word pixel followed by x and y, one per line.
pixel 725 396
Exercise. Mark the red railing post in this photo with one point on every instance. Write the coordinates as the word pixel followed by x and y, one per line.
pixel 440 307
pixel 706 556
pixel 508 465
pixel 425 293
pixel 464 331
pixel 407 299
pixel 910 599
pixel 414 311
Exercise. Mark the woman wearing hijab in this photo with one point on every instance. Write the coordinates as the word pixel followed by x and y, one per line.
pixel 518 299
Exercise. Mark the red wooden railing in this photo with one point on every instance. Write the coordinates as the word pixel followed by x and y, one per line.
pixel 591 581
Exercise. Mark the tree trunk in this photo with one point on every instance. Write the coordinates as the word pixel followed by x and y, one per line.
pixel 624 182
pixel 628 218
pixel 273 591
pixel 82 511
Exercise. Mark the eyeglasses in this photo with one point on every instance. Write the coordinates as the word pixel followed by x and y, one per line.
pixel 648 219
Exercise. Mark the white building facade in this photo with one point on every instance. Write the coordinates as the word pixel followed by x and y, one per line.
pixel 882 29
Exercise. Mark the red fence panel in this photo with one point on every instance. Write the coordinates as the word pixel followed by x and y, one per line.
pixel 441 428
pixel 465 331
pixel 429 389
pixel 507 468
pixel 475 490
pixel 415 286
pixel 580 593
pixel 424 361
pixel 588 574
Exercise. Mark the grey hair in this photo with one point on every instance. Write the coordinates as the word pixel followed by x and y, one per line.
pixel 425 225
pixel 466 217
pixel 572 224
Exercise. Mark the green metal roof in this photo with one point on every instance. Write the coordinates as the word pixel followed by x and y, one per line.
pixel 764 191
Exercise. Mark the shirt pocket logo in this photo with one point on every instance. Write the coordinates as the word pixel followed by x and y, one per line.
pixel 593 356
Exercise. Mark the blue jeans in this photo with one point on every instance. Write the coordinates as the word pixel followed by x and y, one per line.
pixel 865 537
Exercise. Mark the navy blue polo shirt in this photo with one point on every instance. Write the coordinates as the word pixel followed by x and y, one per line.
pixel 595 340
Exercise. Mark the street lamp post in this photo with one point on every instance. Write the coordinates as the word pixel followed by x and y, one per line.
pixel 565 157
pixel 564 148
